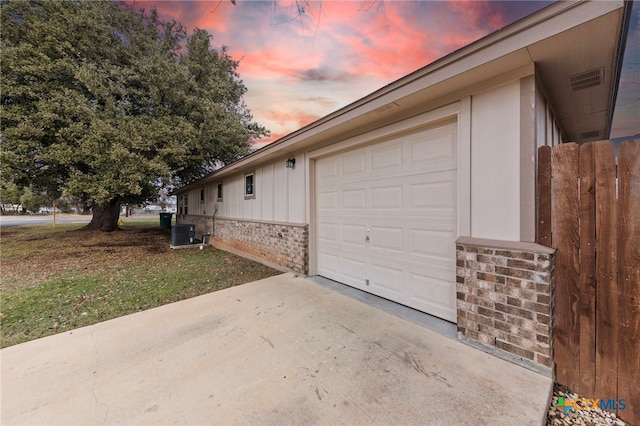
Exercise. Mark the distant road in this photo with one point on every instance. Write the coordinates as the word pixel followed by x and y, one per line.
pixel 8 221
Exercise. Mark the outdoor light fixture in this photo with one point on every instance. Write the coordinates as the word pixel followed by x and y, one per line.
pixel 291 162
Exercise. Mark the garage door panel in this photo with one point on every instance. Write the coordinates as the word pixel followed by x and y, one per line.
pixel 387 238
pixel 354 199
pixel 439 298
pixel 386 157
pixel 389 197
pixel 434 150
pixel 430 242
pixel 433 195
pixel 354 235
pixel 327 169
pixel 353 164
pixel 328 200
pixel 402 195
pixel 331 264
pixel 328 232
pixel 355 269
pixel 385 279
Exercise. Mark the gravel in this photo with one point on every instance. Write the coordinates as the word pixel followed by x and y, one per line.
pixel 587 417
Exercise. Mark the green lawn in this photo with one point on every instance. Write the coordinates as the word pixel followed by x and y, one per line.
pixel 55 280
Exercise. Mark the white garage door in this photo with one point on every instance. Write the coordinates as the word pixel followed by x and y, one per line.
pixel 387 219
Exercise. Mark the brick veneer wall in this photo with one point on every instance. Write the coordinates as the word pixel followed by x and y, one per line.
pixel 504 297
pixel 204 224
pixel 282 244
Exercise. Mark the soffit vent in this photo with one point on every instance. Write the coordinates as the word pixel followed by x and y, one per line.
pixel 594 134
pixel 586 79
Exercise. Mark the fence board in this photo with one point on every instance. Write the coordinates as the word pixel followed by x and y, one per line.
pixel 606 266
pixel 544 196
pixel 595 227
pixel 564 228
pixel 587 361
pixel 629 279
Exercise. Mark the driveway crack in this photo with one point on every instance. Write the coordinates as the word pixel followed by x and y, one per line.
pixel 95 381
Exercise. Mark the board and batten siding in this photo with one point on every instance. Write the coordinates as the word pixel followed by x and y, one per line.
pixel 547 129
pixel 279 193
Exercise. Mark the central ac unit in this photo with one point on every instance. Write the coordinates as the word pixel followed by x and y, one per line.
pixel 182 234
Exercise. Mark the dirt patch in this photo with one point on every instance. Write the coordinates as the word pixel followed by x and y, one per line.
pixel 28 259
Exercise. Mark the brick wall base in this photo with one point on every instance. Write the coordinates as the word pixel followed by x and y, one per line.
pixel 281 244
pixel 504 298
pixel 204 224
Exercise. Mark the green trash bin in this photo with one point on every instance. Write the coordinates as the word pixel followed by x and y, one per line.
pixel 165 220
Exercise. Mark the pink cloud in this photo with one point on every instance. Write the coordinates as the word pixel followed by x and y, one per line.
pixel 300 64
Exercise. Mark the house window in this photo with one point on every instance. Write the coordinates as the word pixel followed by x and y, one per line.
pixel 202 195
pixel 219 191
pixel 185 204
pixel 249 186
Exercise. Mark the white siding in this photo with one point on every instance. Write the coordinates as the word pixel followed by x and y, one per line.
pixel 279 193
pixel 495 163
pixel 547 129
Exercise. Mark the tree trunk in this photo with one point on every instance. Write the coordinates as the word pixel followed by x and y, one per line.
pixel 105 217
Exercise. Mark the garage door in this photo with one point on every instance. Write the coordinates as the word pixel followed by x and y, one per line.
pixel 387 219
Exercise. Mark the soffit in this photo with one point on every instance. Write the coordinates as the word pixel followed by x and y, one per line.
pixel 585 58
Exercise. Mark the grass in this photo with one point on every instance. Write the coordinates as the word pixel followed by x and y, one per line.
pixel 55 280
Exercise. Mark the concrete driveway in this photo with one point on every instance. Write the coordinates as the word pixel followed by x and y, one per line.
pixel 283 350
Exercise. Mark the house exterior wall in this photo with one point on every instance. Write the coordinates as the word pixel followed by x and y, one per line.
pixel 503 295
pixel 491 200
pixel 204 224
pixel 495 163
pixel 278 244
pixel 547 129
pixel 279 193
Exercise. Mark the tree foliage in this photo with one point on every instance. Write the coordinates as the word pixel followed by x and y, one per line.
pixel 108 104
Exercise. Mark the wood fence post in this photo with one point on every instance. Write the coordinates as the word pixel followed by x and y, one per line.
pixel 629 279
pixel 564 228
pixel 587 271
pixel 543 235
pixel 606 271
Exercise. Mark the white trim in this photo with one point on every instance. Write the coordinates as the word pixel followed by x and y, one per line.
pixel 312 216
pixel 464 167
pixel 253 185
pixel 266 222
pixel 428 119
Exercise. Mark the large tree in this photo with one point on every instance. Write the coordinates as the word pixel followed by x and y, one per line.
pixel 108 104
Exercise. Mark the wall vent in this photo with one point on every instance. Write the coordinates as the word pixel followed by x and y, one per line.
pixel 586 79
pixel 594 134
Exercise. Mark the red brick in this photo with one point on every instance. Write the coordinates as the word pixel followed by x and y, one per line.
pixel 515 254
pixel 544 360
pixel 514 349
pixel 513 311
pixel 521 264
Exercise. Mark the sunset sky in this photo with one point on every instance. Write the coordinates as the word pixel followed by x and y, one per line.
pixel 302 60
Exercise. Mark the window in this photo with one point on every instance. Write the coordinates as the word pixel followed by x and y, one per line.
pixel 249 186
pixel 219 191
pixel 202 195
pixel 185 204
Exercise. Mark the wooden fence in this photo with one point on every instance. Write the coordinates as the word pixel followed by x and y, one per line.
pixel 589 210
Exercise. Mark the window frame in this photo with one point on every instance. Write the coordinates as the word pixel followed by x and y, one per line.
pixel 219 192
pixel 185 204
pixel 252 194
